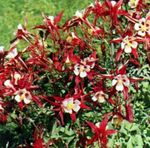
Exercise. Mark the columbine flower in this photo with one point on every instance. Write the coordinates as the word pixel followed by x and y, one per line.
pixel 127 44
pixel 84 67
pixel 143 27
pixel 133 3
pixel 81 70
pixel 69 105
pixel 23 95
pixel 99 96
pixel 12 54
pixel 120 81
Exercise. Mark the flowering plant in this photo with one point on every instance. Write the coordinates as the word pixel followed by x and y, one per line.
pixel 71 86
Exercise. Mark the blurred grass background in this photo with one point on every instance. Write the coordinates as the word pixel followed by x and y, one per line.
pixel 14 12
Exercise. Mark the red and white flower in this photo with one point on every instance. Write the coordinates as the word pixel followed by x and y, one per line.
pixel 23 95
pixel 84 67
pixel 143 27
pixel 128 44
pixel 99 96
pixel 69 105
pixel 120 81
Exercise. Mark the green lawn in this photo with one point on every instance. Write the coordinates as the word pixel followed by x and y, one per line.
pixel 13 12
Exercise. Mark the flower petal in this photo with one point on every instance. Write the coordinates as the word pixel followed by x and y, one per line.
pixel 119 87
pixel 114 81
pixel 137 26
pixel 94 98
pixel 27 100
pixel 127 49
pixel 134 44
pixel 17 98
pixel 83 74
pixel 141 33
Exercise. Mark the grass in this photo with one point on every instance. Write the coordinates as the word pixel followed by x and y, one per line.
pixel 14 12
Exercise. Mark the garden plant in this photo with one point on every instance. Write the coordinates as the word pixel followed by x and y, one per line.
pixel 81 83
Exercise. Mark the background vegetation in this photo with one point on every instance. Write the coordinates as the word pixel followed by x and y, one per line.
pixel 14 12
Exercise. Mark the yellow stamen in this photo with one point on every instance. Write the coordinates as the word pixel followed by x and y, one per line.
pixel 70 106
pixel 120 81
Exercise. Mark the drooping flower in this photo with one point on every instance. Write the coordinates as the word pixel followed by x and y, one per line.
pixel 81 69
pixel 23 95
pixel 99 96
pixel 143 27
pixel 69 105
pixel 120 81
pixel 128 44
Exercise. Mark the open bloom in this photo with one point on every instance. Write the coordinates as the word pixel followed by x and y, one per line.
pixel 69 105
pixel 128 44
pixel 81 70
pixel 99 96
pixel 84 67
pixel 133 3
pixel 143 27
pixel 23 95
pixel 120 81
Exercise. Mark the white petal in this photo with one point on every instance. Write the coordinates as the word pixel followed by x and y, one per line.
pixel 137 26
pixel 68 110
pixel 83 74
pixel 77 102
pixel 142 20
pixel 113 3
pixel 141 33
pixel 27 100
pixel 65 102
pixel 1 108
pixel 127 49
pixel 134 44
pixel 8 83
pixel 119 87
pixel 127 82
pixel 94 98
pixel 76 108
pixel 20 27
pixel 17 98
pixel 51 18
pixel 114 81
pixel 79 13
pixel 1 49
pixel 98 124
pixel 122 45
pixel 76 72
pixel 101 99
